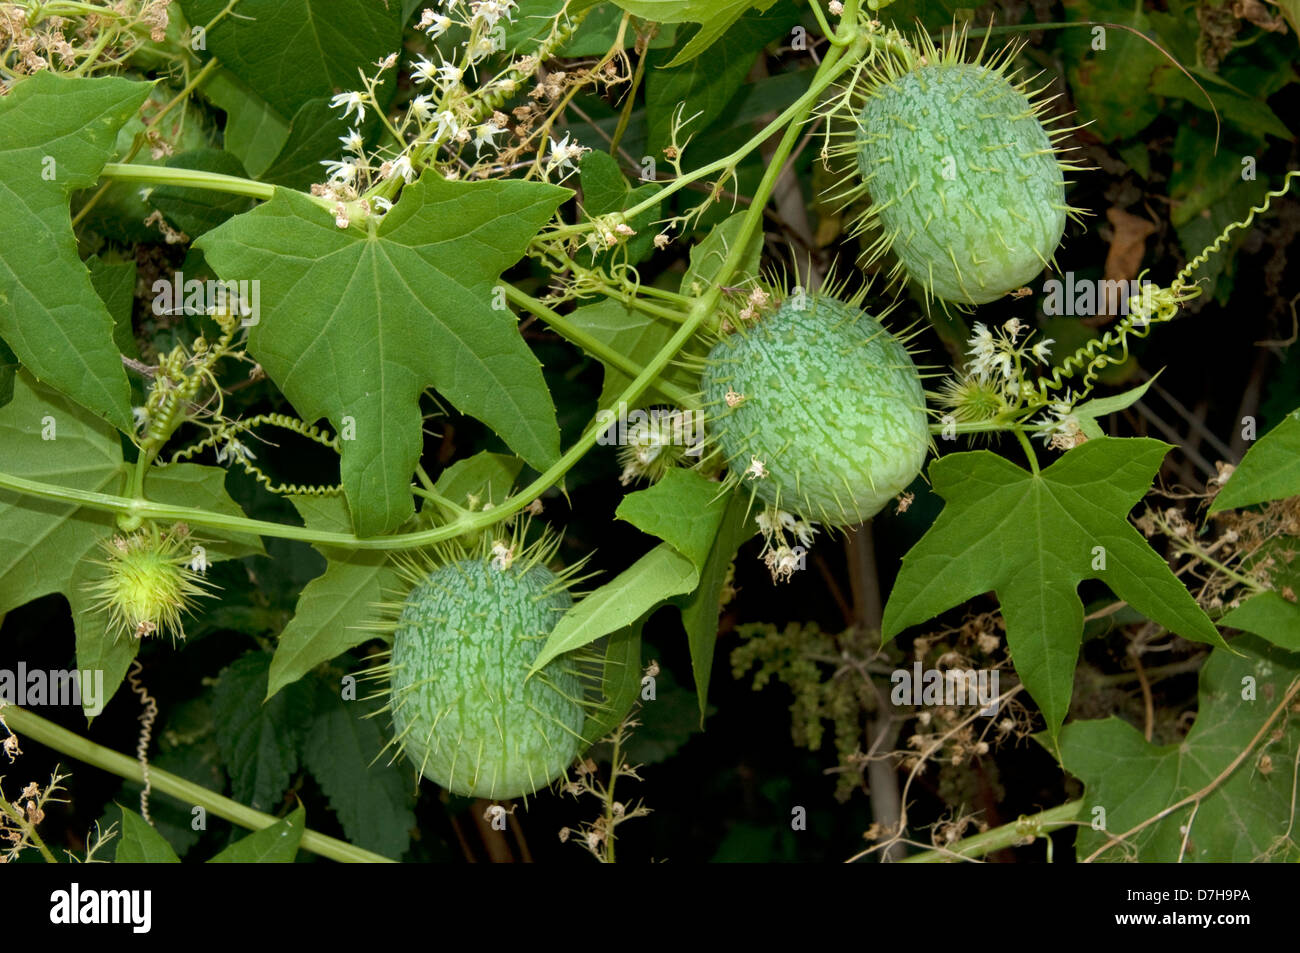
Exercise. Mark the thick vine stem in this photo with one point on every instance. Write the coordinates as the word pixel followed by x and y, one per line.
pixel 53 736
pixel 1018 832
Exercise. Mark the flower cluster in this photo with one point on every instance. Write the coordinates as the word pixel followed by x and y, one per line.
pixel 780 557
pixel 993 380
pixel 657 444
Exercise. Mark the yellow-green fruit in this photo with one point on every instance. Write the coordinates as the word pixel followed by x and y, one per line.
pixel 968 190
pixel 818 409
pixel 464 710
pixel 148 584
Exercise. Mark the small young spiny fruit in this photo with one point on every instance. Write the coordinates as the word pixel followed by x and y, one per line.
pixel 818 408
pixel 965 183
pixel 464 710
pixel 149 582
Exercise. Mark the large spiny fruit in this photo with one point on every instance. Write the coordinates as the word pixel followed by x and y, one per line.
pixel 819 408
pixel 965 182
pixel 464 709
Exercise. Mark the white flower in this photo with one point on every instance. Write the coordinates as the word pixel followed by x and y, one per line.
pixel 502 556
pixel 1042 350
pixel 199 562
pixel 483 135
pixel 482 48
pixel 448 128
pixel 490 11
pixel 756 470
pixel 352 101
pixel 382 205
pixel 344 171
pixel 982 342
pixel 449 74
pixel 424 70
pixel 401 166
pixel 422 108
pixel 562 155
pixel 353 142
pixel 438 24
pixel 234 450
pixel 141 415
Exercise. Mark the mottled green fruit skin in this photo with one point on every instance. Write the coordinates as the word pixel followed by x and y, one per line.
pixel 463 709
pixel 833 408
pixel 966 178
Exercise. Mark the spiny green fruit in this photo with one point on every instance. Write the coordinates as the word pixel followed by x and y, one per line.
pixel 965 182
pixel 818 408
pixel 149 582
pixel 463 708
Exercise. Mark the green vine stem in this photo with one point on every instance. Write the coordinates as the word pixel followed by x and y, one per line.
pixel 1018 832
pixel 23 722
pixel 567 329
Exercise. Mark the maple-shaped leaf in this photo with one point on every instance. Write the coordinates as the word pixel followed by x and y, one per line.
pixel 56 133
pixel 1270 470
pixel 1031 539
pixel 1235 786
pixel 357 324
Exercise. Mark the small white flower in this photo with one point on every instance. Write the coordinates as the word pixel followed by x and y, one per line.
pixel 352 102
pixel 437 26
pixel 353 142
pixel 1043 349
pixel 422 108
pixel 502 556
pixel 982 342
pixel 234 451
pixel 482 48
pixel 424 70
pixel 449 74
pixel 382 205
pixel 141 416
pixel 344 171
pixel 490 11
pixel 401 166
pixel 199 562
pixel 484 135
pixel 562 155
pixel 804 532
pixel 756 470
pixel 448 128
